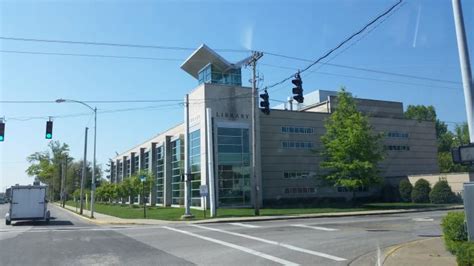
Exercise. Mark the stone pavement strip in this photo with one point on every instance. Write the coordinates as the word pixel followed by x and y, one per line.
pixel 429 251
pixel 103 219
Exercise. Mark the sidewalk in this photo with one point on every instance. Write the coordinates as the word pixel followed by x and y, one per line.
pixel 104 219
pixel 100 218
pixel 324 215
pixel 429 251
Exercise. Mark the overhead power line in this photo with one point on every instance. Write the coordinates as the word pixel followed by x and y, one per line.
pixel 273 54
pixel 93 55
pixel 370 78
pixel 152 107
pixel 128 45
pixel 340 44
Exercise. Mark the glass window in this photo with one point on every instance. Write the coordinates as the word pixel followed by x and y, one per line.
pixel 159 173
pixel 177 160
pixel 195 160
pixel 233 166
pixel 146 158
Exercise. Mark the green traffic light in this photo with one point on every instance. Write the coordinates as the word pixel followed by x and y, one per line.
pixel 49 136
pixel 1 138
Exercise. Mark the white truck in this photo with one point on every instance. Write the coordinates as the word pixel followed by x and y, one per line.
pixel 27 203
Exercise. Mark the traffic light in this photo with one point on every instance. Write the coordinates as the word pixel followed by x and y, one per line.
pixel 298 90
pixel 2 131
pixel 265 104
pixel 49 130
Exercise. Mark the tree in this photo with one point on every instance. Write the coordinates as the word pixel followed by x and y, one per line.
pixel 351 151
pixel 428 113
pixel 46 166
pixel 405 188
pixel 446 139
pixel 143 188
pixel 421 191
pixel 442 193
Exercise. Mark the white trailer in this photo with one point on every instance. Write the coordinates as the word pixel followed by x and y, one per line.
pixel 27 203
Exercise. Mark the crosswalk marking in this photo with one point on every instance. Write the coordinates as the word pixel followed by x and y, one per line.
pixel 245 225
pixel 244 249
pixel 315 227
pixel 291 247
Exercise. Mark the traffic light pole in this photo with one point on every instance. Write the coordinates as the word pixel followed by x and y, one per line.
pixel 187 164
pixel 469 99
pixel 255 187
pixel 465 66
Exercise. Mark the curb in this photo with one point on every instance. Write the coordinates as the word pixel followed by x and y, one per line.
pixel 98 222
pixel 327 215
pixel 81 216
pixel 272 218
pixel 391 250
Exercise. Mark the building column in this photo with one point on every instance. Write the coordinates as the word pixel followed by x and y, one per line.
pixel 113 177
pixel 152 171
pixel 167 190
pixel 124 167
pixel 132 163
pixel 141 163
pixel 117 176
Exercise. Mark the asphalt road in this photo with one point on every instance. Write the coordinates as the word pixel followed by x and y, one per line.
pixel 71 240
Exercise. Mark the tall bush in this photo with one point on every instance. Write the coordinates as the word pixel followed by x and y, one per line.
pixel 421 191
pixel 455 238
pixel 405 188
pixel 442 193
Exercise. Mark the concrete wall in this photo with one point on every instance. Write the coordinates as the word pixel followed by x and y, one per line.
pixel 455 180
pixel 368 107
pixel 421 158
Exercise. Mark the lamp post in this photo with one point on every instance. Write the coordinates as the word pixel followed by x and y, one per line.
pixel 95 145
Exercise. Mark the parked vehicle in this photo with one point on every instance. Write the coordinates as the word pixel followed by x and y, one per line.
pixel 27 203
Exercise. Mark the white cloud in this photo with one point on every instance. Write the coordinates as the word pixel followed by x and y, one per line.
pixel 247 37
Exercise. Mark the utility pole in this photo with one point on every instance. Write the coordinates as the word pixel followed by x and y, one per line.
pixel 65 182
pixel 61 194
pixel 210 162
pixel 255 188
pixel 84 170
pixel 94 163
pixel 465 66
pixel 187 164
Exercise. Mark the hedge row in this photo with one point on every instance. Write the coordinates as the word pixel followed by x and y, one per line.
pixel 422 193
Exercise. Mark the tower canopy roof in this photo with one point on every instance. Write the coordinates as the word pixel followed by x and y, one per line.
pixel 202 56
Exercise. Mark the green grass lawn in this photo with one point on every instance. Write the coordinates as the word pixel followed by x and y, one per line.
pixel 173 214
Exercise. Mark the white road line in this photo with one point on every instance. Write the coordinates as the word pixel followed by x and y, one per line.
pixel 314 227
pixel 423 219
pixel 227 244
pixel 245 225
pixel 288 246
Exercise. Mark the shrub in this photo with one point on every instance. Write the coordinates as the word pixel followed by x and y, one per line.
pixel 453 226
pixel 442 193
pixel 455 238
pixel 405 188
pixel 421 191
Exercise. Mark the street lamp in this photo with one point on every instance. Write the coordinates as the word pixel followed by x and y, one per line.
pixel 95 145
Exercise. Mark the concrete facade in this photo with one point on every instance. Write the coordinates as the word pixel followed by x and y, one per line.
pixel 455 180
pixel 288 144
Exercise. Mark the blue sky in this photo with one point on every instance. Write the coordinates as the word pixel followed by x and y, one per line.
pixel 418 39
